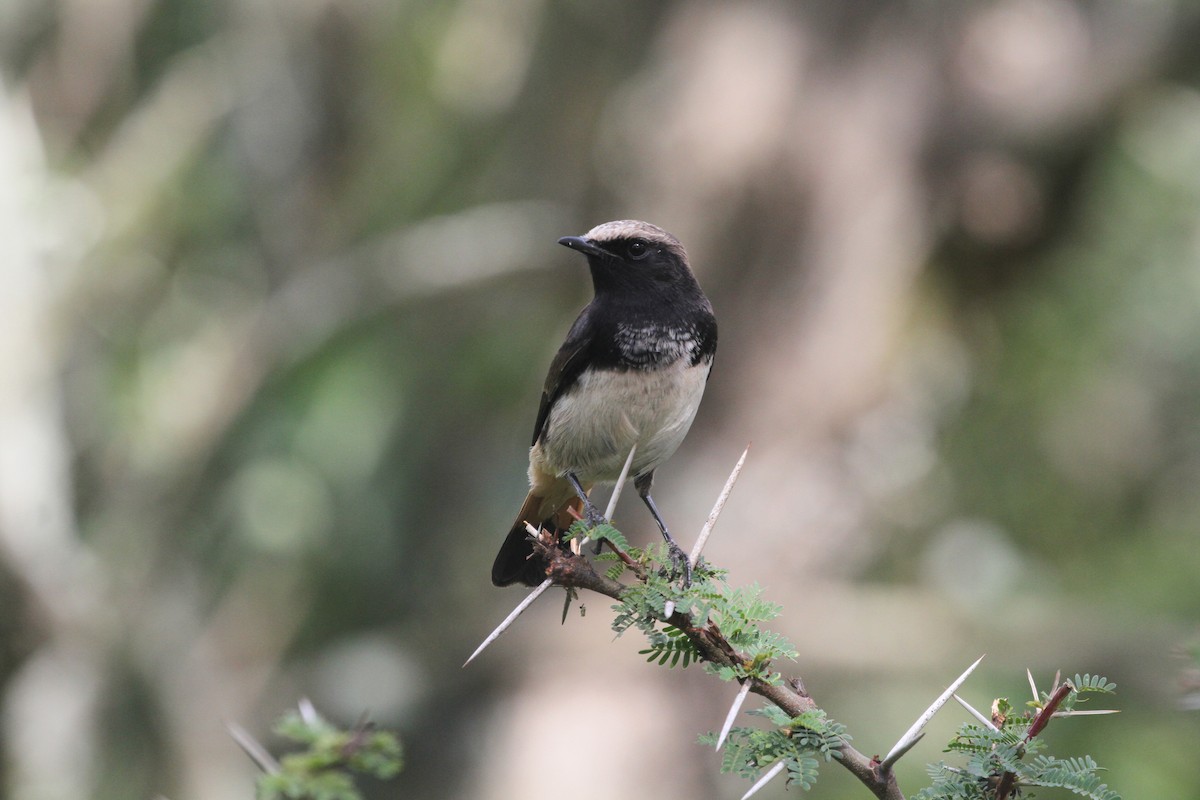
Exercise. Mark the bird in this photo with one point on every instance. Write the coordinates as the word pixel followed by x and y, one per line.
pixel 631 372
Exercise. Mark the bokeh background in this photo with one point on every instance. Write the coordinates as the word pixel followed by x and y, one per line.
pixel 280 286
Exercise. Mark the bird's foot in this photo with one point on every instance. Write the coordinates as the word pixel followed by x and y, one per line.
pixel 591 514
pixel 681 565
pixel 593 517
pixel 594 520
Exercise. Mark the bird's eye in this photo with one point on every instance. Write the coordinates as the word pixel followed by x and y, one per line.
pixel 638 249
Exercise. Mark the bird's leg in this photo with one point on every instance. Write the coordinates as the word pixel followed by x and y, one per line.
pixel 591 514
pixel 679 559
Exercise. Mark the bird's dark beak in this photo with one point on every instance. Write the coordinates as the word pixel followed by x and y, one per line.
pixel 581 244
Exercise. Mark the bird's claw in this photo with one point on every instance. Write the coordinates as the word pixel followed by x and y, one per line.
pixel 680 564
pixel 593 517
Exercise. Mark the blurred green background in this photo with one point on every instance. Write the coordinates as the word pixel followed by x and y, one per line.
pixel 280 287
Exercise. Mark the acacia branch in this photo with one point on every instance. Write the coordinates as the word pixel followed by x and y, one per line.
pixel 576 572
pixel 1008 780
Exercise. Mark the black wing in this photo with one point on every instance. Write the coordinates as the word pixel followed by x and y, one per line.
pixel 570 361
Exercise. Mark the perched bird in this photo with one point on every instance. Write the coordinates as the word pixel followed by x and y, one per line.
pixel 631 372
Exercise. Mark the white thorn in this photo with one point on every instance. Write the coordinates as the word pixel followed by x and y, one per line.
pixel 258 754
pixel 720 504
pixel 616 494
pixel 668 609
pixel 516 612
pixel 544 585
pixel 910 736
pixel 977 715
pixel 308 712
pixel 1033 686
pixel 765 779
pixel 899 753
pixel 733 711
pixel 1089 712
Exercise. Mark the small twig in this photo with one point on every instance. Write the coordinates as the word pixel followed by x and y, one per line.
pixel 251 746
pixel 358 736
pixel 765 779
pixel 717 508
pixel 1005 785
pixel 733 711
pixel 1008 780
pixel 1052 704
pixel 627 559
pixel 907 741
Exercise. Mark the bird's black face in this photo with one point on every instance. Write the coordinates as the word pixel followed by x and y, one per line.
pixel 633 256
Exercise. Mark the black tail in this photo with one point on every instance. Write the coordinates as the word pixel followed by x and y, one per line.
pixel 516 563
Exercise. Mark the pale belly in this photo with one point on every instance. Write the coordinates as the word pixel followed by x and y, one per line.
pixel 591 429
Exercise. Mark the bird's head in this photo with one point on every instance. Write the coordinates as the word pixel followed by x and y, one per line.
pixel 633 256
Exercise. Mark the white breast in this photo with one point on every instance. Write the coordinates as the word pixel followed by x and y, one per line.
pixel 592 428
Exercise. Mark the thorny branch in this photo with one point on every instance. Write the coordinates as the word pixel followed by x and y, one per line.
pixel 574 571
pixel 1008 780
pixel 570 569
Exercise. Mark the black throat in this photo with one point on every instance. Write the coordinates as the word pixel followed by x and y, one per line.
pixel 651 332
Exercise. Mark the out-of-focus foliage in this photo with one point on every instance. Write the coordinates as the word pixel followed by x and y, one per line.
pixel 280 284
pixel 331 759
